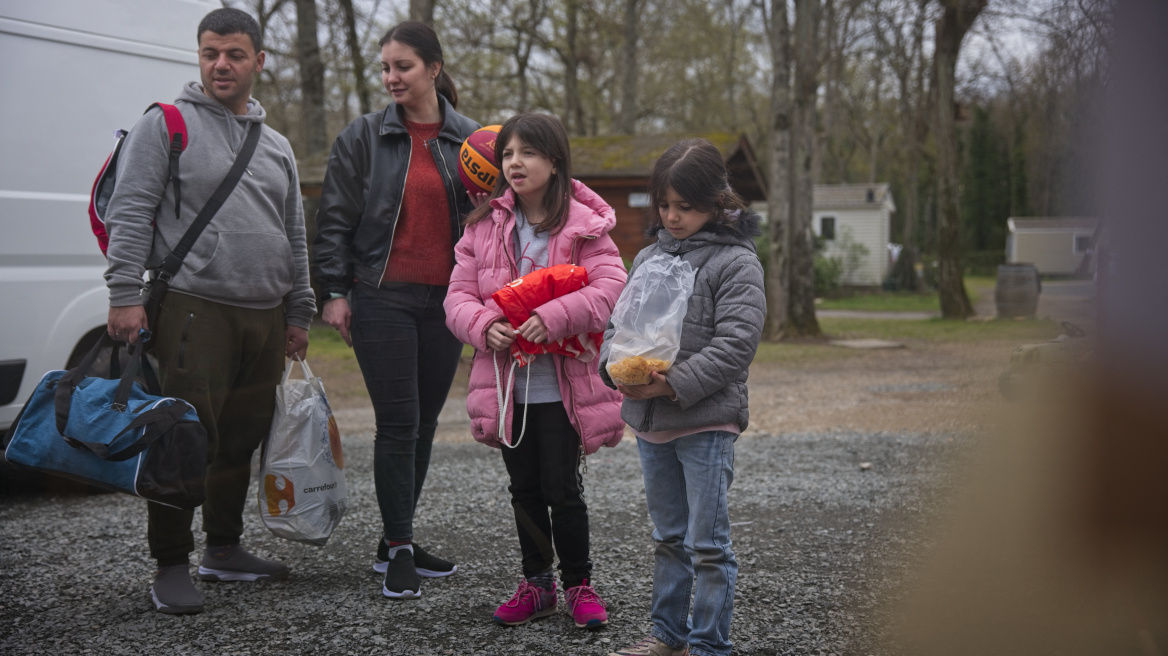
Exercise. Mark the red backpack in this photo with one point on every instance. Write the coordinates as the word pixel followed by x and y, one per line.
pixel 103 186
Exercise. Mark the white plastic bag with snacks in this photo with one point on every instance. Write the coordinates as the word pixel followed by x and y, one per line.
pixel 302 492
pixel 648 318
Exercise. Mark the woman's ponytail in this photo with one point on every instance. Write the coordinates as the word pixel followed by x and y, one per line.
pixel 444 85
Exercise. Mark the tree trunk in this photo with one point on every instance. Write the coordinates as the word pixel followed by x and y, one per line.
pixel 956 20
pixel 572 111
pixel 355 56
pixel 801 302
pixel 422 10
pixel 311 79
pixel 779 183
pixel 626 122
pixel 833 65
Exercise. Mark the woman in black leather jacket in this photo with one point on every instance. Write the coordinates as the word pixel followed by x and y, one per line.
pixel 390 214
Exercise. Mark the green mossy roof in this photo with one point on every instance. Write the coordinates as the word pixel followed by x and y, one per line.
pixel 633 155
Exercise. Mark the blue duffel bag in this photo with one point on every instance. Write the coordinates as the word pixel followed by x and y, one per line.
pixel 113 433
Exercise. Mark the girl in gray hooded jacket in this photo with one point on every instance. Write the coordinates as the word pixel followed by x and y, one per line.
pixel 687 419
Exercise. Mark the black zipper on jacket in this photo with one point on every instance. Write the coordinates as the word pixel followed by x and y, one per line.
pixel 396 213
pixel 448 186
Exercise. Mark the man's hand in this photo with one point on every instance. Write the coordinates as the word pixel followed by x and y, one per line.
pixel 658 385
pixel 500 335
pixel 533 330
pixel 297 342
pixel 337 314
pixel 124 323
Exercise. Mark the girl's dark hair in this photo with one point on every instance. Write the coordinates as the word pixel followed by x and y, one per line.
pixel 694 169
pixel 545 134
pixel 422 38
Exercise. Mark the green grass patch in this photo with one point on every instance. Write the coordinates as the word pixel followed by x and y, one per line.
pixel 977 287
pixel 325 342
pixel 941 330
pixel 884 302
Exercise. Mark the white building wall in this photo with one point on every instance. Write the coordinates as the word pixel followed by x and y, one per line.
pixel 869 227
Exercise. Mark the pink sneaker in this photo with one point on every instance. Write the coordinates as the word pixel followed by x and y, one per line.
pixel 587 606
pixel 530 602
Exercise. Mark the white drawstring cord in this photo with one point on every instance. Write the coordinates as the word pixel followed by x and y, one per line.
pixel 505 398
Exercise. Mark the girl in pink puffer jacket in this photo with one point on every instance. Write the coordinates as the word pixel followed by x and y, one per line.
pixel 539 217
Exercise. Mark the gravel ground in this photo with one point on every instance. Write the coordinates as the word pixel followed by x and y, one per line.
pixel 823 541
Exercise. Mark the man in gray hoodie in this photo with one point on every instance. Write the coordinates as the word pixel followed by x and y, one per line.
pixel 240 303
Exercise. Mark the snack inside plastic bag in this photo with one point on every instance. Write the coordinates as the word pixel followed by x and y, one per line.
pixel 648 318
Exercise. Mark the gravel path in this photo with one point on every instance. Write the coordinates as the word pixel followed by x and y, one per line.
pixel 822 543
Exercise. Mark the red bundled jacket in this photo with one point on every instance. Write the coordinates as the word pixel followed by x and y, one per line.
pixel 519 297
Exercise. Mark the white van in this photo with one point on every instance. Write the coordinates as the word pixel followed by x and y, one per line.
pixel 74 71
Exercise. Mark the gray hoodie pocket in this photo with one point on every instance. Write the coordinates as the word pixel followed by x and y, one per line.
pixel 247 266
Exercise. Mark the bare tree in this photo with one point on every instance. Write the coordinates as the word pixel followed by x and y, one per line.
pixel 422 10
pixel 525 20
pixel 573 110
pixel 736 16
pixel 956 19
pixel 779 182
pixel 311 79
pixel 801 301
pixel 626 121
pixel 356 57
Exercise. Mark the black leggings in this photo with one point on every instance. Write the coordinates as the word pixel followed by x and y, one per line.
pixel 543 470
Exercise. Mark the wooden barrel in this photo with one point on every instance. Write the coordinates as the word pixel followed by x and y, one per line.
pixel 1017 290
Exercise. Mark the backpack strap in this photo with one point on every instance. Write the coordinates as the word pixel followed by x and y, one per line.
pixel 176 129
pixel 103 185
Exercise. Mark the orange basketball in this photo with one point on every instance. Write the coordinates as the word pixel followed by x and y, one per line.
pixel 476 160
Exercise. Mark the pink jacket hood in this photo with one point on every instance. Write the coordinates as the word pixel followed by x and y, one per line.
pixel 485 261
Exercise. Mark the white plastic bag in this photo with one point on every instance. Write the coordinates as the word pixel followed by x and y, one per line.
pixel 648 318
pixel 302 491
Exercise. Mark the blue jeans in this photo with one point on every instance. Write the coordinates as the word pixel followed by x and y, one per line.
pixel 686 481
pixel 408 358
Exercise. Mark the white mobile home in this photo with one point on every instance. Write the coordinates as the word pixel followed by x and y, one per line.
pixel 76 70
pixel 1057 246
pixel 860 214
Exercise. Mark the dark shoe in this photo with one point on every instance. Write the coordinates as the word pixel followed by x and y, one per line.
pixel 431 567
pixel 174 593
pixel 234 563
pixel 426 565
pixel 401 578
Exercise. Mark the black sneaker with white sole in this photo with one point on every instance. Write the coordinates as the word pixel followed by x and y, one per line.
pixel 401 581
pixel 427 566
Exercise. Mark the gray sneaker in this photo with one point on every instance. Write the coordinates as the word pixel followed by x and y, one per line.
pixel 174 593
pixel 234 563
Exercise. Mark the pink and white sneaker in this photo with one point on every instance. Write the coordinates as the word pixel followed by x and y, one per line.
pixel 530 602
pixel 587 606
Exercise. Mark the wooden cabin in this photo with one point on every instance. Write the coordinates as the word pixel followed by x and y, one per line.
pixel 617 167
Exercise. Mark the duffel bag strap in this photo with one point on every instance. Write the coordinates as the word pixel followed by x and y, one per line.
pixel 157 420
pixel 63 395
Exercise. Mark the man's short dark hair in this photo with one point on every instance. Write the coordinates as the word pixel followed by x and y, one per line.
pixel 232 21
